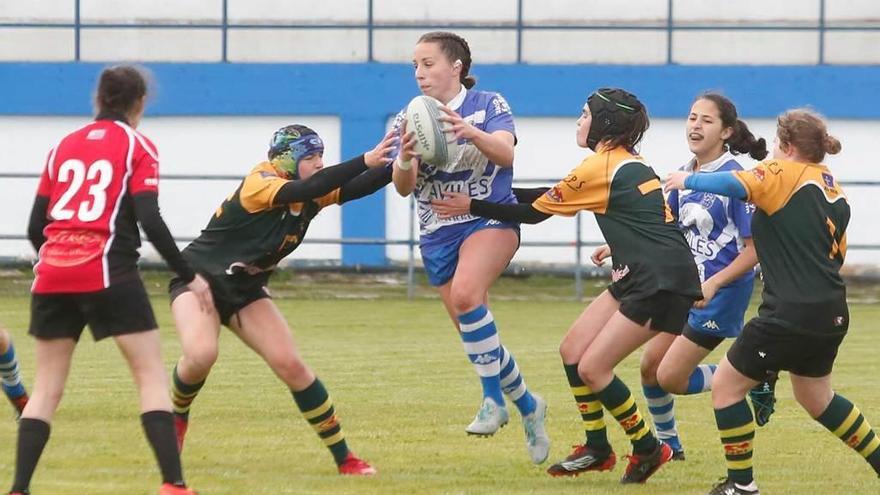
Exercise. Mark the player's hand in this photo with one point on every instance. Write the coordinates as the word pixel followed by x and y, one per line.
pixel 458 129
pixel 709 290
pixel 378 156
pixel 199 286
pixel 453 204
pixel 407 158
pixel 599 255
pixel 675 181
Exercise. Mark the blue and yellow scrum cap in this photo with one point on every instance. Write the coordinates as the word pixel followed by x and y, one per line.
pixel 612 109
pixel 291 144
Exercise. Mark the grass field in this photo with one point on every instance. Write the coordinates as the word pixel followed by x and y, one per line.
pixel 405 391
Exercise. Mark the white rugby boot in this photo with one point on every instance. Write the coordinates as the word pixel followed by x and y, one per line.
pixel 537 440
pixel 489 419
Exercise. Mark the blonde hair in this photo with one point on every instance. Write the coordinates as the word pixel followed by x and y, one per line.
pixel 805 129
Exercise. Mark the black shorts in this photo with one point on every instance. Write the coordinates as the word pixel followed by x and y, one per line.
pixel 667 311
pixel 229 297
pixel 117 310
pixel 766 346
pixel 702 339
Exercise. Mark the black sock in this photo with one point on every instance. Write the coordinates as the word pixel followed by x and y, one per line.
pixel 32 437
pixel 159 428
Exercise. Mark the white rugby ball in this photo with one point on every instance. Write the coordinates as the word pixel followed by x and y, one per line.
pixel 432 144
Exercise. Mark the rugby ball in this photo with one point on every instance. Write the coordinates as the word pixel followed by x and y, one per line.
pixel 432 144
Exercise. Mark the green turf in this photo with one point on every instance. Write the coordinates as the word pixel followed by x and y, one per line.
pixel 404 391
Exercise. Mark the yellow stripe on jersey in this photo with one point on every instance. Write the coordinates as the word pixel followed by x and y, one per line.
pixel 330 198
pixel 648 186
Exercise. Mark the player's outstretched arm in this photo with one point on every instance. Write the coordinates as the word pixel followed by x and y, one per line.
pixel 456 204
pixel 723 183
pixel 329 178
pixel 365 184
pixel 529 195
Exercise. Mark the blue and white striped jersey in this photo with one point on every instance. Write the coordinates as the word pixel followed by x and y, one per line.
pixel 469 171
pixel 713 225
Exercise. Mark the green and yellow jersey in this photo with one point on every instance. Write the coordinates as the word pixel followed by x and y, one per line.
pixel 248 235
pixel 799 230
pixel 648 251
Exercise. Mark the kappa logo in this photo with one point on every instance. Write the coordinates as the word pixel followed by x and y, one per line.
pixel 838 321
pixel 758 173
pixel 762 354
pixel 484 359
pixel 711 325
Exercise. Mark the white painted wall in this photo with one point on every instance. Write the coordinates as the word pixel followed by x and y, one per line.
pixel 232 145
pixel 224 146
pixel 349 44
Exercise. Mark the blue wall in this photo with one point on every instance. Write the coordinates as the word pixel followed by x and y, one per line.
pixel 364 96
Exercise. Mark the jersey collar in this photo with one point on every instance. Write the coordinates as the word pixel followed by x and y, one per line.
pixel 456 102
pixel 712 166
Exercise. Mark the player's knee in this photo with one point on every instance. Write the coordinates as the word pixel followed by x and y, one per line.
pixel 200 360
pixel 648 369
pixel 464 298
pixel 671 381
pixel 290 368
pixel 590 374
pixel 814 402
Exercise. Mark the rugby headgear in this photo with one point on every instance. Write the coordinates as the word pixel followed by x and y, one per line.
pixel 612 110
pixel 291 144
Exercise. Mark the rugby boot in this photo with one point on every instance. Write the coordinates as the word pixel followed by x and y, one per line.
pixel 355 466
pixel 489 419
pixel 582 459
pixel 728 487
pixel 763 398
pixel 641 467
pixel 181 423
pixel 537 440
pixel 169 489
pixel 18 403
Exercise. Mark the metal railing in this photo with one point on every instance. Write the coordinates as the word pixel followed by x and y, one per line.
pixel 518 26
pixel 412 241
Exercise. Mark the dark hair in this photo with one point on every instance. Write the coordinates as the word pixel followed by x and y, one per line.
pixel 120 88
pixel 455 48
pixel 806 131
pixel 619 119
pixel 742 140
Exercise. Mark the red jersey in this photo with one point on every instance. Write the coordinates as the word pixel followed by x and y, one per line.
pixel 92 236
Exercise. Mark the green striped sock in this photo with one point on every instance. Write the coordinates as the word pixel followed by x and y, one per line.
pixel 317 407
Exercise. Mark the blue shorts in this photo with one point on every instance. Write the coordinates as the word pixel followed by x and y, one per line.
pixel 723 317
pixel 440 256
